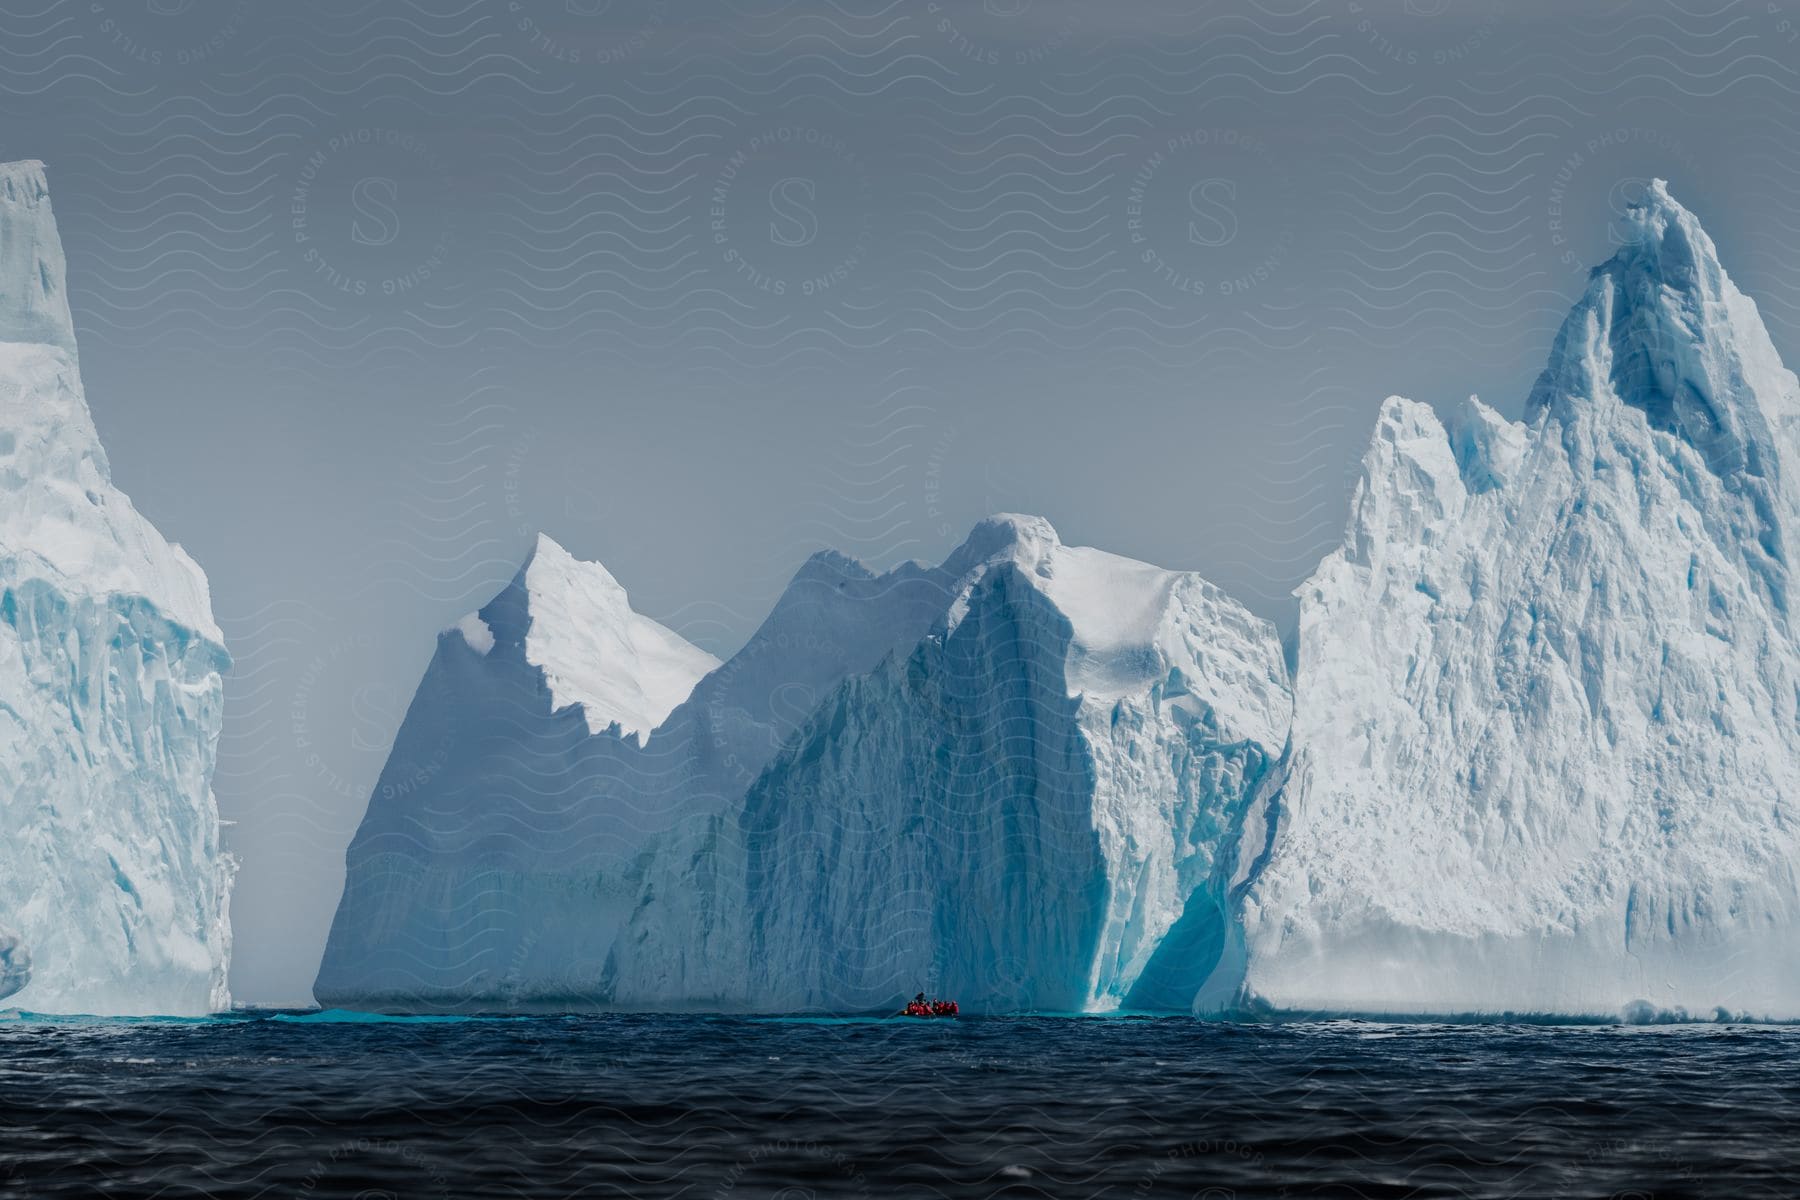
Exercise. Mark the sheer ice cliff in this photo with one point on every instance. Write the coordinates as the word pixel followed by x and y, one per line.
pixel 1019 808
pixel 1011 770
pixel 1545 751
pixel 110 695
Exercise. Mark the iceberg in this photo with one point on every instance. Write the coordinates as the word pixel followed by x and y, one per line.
pixel 1025 808
pixel 115 896
pixel 1010 771
pixel 1545 756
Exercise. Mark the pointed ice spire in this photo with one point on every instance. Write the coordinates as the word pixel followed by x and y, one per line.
pixel 34 306
pixel 1663 329
pixel 577 626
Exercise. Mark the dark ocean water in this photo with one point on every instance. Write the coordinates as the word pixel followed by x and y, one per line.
pixel 709 1108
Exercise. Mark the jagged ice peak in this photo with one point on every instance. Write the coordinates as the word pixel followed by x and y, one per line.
pixel 34 305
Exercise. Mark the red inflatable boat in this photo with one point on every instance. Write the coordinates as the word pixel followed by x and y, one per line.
pixel 929 1008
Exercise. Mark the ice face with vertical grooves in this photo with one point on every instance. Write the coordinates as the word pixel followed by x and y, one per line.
pixel 115 897
pixel 1546 752
pixel 1019 809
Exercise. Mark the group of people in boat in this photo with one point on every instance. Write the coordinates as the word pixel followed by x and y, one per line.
pixel 919 1006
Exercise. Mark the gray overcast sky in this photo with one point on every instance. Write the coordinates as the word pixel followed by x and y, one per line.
pixel 366 295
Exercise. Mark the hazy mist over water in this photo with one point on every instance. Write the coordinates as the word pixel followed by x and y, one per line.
pixel 366 297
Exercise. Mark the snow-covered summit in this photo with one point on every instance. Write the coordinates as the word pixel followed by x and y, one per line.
pixel 1127 619
pixel 595 651
pixel 1122 613
pixel 1661 327
pixel 1015 537
pixel 1663 330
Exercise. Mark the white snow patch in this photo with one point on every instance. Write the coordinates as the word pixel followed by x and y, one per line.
pixel 475 631
pixel 621 667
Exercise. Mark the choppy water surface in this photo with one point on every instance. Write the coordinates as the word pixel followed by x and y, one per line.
pixel 706 1108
